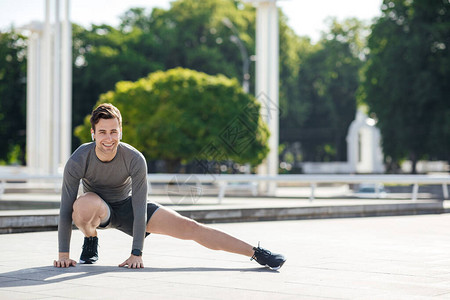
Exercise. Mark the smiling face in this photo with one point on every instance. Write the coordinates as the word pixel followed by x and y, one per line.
pixel 107 132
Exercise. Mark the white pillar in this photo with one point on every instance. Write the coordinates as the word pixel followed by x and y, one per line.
pixel 32 99
pixel 66 87
pixel 267 80
pixel 44 108
pixel 49 91
pixel 353 141
pixel 352 148
pixel 56 85
pixel 378 165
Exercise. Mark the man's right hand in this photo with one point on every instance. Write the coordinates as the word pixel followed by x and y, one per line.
pixel 64 261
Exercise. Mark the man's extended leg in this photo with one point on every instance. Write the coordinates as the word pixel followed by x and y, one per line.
pixel 89 211
pixel 168 222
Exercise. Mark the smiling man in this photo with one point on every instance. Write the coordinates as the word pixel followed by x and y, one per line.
pixel 114 179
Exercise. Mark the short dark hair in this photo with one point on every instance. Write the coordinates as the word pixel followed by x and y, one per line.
pixel 105 111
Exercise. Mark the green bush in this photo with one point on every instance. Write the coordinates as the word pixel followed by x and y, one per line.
pixel 181 115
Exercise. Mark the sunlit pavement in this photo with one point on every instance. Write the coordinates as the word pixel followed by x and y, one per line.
pixel 405 257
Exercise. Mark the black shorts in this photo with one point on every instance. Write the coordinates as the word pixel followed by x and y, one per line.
pixel 122 216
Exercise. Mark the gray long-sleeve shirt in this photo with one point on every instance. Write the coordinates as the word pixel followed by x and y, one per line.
pixel 113 181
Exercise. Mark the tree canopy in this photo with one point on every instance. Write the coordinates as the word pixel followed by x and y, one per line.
pixel 12 97
pixel 191 34
pixel 325 102
pixel 402 76
pixel 406 81
pixel 182 115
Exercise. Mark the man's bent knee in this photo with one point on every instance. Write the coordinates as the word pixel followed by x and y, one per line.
pixel 88 208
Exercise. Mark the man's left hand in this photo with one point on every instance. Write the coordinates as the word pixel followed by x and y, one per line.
pixel 133 262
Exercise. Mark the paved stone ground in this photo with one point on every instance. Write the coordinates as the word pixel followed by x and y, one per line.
pixel 362 258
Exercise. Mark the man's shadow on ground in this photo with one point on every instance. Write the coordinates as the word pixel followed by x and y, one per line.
pixel 49 274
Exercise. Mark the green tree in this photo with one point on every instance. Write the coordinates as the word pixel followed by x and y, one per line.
pixel 293 52
pixel 191 34
pixel 104 56
pixel 194 35
pixel 327 82
pixel 182 115
pixel 407 80
pixel 12 97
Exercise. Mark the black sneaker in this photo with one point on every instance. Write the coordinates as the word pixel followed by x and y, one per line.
pixel 89 254
pixel 266 258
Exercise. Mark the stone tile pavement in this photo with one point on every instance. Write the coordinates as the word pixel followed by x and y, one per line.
pixel 405 257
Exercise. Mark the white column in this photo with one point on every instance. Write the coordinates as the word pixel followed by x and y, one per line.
pixel 353 143
pixel 49 91
pixel 56 85
pixel 32 100
pixel 66 87
pixel 44 108
pixel 377 152
pixel 352 149
pixel 267 80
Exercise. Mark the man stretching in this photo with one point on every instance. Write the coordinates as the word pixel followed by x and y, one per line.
pixel 113 175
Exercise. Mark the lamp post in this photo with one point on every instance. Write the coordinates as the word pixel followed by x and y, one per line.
pixel 245 59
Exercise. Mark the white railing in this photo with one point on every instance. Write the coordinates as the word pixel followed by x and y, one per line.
pixel 223 180
pixel 27 181
pixel 23 181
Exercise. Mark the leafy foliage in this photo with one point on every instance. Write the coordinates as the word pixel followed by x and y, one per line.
pixel 407 76
pixel 12 97
pixel 190 34
pixel 325 102
pixel 179 114
pixel 104 56
pixel 405 79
